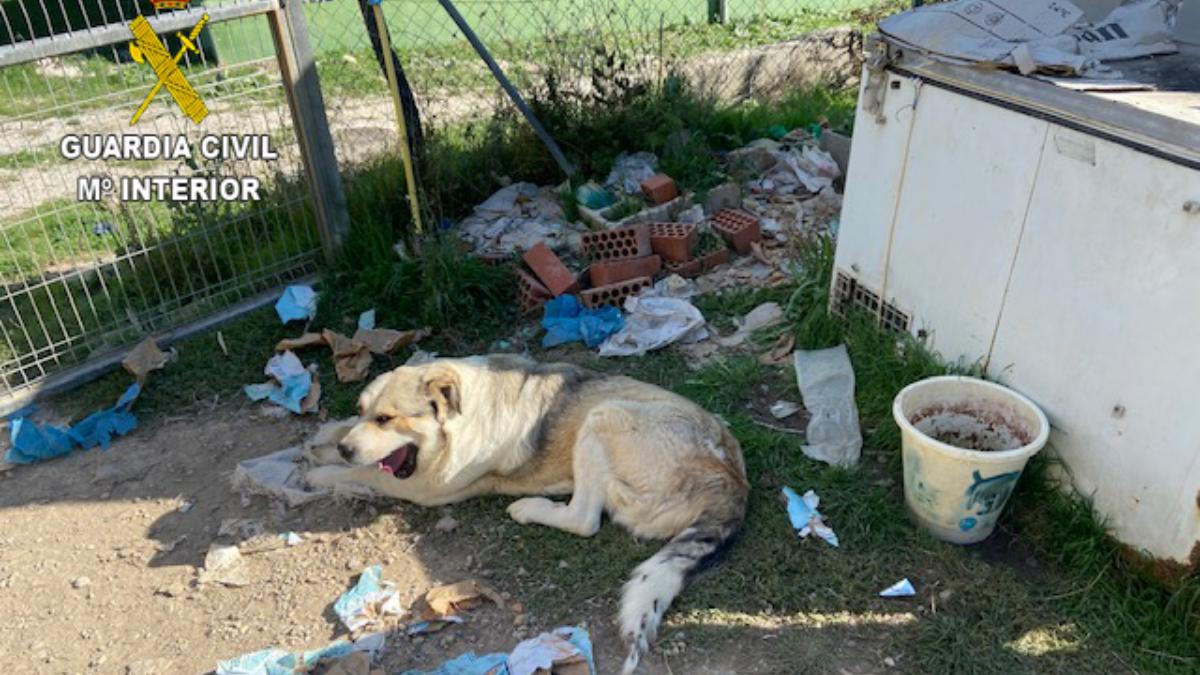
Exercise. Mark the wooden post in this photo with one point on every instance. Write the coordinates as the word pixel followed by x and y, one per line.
pixel 718 11
pixel 299 72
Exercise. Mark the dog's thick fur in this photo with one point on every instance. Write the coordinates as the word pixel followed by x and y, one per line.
pixel 657 463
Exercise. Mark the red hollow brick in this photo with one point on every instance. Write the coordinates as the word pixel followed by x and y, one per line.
pixel 660 188
pixel 531 293
pixel 713 259
pixel 738 228
pixel 673 241
pixel 550 270
pixel 608 272
pixel 613 294
pixel 687 270
pixel 631 241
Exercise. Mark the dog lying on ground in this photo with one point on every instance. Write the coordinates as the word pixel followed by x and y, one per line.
pixel 656 463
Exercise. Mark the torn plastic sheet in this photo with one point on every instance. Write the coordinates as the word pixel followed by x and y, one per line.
pixel 567 649
pixel 279 475
pixel 289 387
pixel 826 381
pixel 279 662
pixel 653 323
pixel 565 320
pixel 297 302
pixel 629 171
pixel 900 589
pixel 368 602
pixel 32 442
pixel 806 520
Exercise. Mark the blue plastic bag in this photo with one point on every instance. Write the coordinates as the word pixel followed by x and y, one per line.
pixel 32 442
pixel 566 321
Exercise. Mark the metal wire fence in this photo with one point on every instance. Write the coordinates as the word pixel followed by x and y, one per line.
pixel 79 279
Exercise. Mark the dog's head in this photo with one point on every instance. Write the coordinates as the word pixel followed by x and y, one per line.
pixel 402 418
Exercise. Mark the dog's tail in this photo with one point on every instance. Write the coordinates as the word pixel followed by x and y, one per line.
pixel 657 581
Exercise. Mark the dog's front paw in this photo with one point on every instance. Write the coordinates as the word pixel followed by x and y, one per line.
pixel 524 510
pixel 326 476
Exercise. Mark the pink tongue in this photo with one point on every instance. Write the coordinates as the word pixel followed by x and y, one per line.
pixel 394 461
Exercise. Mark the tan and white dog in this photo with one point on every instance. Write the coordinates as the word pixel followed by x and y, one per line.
pixel 656 463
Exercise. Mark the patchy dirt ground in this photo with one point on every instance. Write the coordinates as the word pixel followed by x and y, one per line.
pixel 99 570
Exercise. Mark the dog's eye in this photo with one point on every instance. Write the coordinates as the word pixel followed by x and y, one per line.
pixel 383 419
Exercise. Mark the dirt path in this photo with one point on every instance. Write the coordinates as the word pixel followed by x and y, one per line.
pixel 98 567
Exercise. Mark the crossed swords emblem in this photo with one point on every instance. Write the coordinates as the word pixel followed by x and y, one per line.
pixel 148 48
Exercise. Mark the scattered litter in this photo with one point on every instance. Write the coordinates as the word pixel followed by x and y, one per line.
pixel 593 196
pixel 518 217
pixel 629 171
pixel 784 409
pixel 764 316
pixel 297 302
pixel 221 343
pixel 427 627
pixel 100 229
pixel 386 341
pixel 453 598
pixel 900 589
pixel 780 352
pixel 186 506
pixel 369 603
pixel 446 524
pixel 674 286
pixel 144 358
pixel 241 528
pixel 653 323
pixel 366 320
pixel 806 520
pixel 694 214
pixel 81 582
pixel 826 381
pixel 31 442
pixel 278 475
pixel 421 356
pixel 352 356
pixel 565 320
pixel 289 387
pixel 1036 35
pixel 224 565
pixel 557 652
pixel 279 662
pixel 565 651
pixel 292 539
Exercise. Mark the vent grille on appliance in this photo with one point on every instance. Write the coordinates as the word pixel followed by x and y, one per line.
pixel 847 291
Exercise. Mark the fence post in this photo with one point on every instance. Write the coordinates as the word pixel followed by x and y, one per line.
pixel 299 71
pixel 718 11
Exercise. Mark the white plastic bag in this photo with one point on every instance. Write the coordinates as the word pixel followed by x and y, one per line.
pixel 826 381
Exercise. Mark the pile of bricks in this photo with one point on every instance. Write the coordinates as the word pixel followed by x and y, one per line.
pixel 621 262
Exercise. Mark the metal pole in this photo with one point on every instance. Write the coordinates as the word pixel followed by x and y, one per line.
pixel 299 71
pixel 512 92
pixel 410 178
pixel 718 11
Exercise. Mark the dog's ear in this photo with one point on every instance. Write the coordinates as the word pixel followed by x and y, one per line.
pixel 441 388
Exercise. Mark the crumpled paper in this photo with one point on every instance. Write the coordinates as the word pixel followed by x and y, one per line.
pixel 297 302
pixel 653 323
pixel 224 565
pixel 826 381
pixel 352 356
pixel 32 442
pixel 806 520
pixel 565 651
pixel 900 589
pixel 369 603
pixel 565 320
pixel 279 662
pixel 291 385
pixel 144 358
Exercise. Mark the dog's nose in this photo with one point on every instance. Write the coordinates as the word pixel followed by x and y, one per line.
pixel 345 451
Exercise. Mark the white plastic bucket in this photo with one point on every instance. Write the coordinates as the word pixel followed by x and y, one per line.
pixel 965 443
